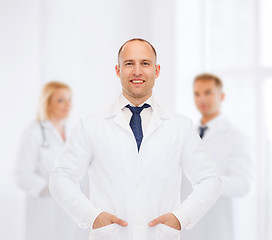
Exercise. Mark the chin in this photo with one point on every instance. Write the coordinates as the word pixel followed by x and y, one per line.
pixel 65 116
pixel 204 113
pixel 141 95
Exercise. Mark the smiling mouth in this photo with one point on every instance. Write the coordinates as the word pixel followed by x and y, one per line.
pixel 137 81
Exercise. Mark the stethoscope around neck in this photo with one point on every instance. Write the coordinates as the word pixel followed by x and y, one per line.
pixel 45 143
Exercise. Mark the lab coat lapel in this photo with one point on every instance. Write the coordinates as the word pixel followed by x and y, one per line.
pixel 158 116
pixel 118 117
pixel 221 125
pixel 48 125
pixel 120 120
pixel 155 123
pixel 209 134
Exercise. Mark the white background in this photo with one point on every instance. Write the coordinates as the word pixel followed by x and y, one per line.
pixel 77 42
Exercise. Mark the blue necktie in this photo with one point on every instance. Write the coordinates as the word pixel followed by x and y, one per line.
pixel 136 123
pixel 202 131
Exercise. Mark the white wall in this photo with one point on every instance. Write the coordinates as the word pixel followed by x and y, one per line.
pixel 80 44
pixel 20 80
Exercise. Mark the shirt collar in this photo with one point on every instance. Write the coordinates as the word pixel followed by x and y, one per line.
pixel 47 123
pixel 214 123
pixel 123 102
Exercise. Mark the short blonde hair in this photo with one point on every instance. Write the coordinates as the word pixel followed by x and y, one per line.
pixel 46 94
pixel 207 77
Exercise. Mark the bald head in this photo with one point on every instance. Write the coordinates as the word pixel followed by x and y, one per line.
pixel 140 40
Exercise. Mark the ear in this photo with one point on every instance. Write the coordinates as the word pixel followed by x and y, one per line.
pixel 222 96
pixel 158 70
pixel 117 70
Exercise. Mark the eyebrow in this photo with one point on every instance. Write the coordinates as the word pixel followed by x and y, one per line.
pixel 143 60
pixel 146 60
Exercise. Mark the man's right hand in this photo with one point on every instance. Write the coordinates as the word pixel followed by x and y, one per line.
pixel 105 219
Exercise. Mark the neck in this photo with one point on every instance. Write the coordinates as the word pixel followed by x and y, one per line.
pixel 57 123
pixel 137 101
pixel 207 118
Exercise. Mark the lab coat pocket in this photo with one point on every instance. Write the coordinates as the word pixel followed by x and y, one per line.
pixel 165 232
pixel 109 232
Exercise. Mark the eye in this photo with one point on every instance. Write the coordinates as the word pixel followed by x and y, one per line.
pixel 128 64
pixel 146 63
pixel 60 100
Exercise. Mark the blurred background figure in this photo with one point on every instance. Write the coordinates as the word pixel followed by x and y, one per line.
pixel 41 143
pixel 230 148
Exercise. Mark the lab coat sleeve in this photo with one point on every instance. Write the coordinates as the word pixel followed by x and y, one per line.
pixel 238 175
pixel 27 177
pixel 70 167
pixel 201 171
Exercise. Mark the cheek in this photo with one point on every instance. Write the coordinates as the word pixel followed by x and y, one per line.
pixel 125 72
pixel 213 102
pixel 152 82
pixel 123 82
pixel 59 106
pixel 154 75
pixel 51 107
pixel 197 101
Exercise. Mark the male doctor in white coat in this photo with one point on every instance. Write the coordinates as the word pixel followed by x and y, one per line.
pixel 135 153
pixel 230 148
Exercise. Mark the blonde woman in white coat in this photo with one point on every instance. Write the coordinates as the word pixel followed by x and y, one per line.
pixel 230 148
pixel 41 143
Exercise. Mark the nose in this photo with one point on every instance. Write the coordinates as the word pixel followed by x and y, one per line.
pixel 68 104
pixel 202 99
pixel 137 71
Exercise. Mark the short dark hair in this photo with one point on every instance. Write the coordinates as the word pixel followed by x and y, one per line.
pixel 137 39
pixel 208 76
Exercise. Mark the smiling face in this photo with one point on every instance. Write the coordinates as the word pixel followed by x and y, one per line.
pixel 208 97
pixel 59 105
pixel 137 71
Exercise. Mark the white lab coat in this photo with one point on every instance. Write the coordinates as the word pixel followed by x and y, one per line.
pixel 135 186
pixel 45 219
pixel 231 150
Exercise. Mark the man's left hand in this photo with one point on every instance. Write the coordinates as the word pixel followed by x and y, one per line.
pixel 168 219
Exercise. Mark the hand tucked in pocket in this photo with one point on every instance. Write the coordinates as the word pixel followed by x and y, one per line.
pixel 168 219
pixel 105 219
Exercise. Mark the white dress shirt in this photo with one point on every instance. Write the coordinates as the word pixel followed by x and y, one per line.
pixel 145 113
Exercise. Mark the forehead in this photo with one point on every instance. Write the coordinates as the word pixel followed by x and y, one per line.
pixel 61 91
pixel 137 50
pixel 204 84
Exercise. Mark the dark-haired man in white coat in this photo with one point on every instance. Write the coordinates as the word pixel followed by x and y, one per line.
pixel 230 148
